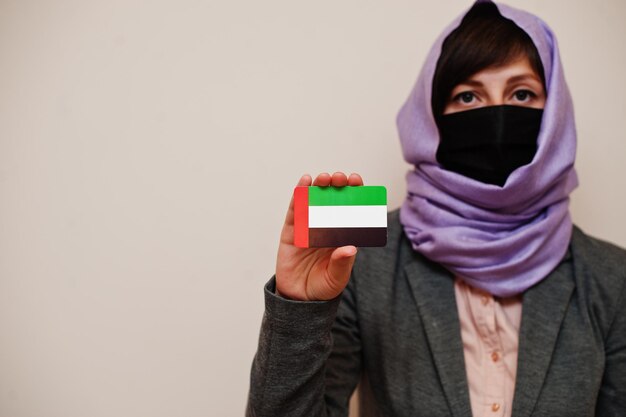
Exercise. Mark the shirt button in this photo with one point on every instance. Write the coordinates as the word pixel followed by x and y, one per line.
pixel 495 407
pixel 495 356
pixel 485 300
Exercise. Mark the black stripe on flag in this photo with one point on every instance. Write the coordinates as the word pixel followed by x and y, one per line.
pixel 321 237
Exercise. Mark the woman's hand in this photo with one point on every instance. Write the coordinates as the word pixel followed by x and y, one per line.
pixel 309 274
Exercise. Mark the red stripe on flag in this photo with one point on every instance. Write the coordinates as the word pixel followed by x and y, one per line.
pixel 301 217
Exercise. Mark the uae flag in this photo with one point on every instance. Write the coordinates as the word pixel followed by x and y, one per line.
pixel 339 216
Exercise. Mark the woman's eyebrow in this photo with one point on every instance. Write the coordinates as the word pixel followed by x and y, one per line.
pixel 523 77
pixel 473 83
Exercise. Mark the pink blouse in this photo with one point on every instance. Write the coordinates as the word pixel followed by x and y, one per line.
pixel 490 334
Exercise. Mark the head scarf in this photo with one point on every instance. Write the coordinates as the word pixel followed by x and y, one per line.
pixel 502 240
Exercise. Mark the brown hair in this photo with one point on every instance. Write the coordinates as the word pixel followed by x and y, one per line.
pixel 484 39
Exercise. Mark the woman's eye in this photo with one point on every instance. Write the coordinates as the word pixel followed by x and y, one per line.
pixel 523 95
pixel 465 97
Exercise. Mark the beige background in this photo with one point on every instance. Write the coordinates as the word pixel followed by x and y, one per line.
pixel 147 154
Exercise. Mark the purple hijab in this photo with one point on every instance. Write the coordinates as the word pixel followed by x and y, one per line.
pixel 500 239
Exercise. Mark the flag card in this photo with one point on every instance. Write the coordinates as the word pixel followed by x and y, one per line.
pixel 339 216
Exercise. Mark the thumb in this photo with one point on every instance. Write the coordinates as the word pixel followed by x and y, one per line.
pixel 340 266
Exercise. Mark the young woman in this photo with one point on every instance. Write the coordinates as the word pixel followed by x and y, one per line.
pixel 487 301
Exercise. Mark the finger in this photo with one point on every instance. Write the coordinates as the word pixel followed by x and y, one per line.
pixel 355 179
pixel 322 180
pixel 304 180
pixel 339 179
pixel 340 266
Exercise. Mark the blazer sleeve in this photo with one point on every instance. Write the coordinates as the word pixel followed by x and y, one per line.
pixel 308 358
pixel 612 395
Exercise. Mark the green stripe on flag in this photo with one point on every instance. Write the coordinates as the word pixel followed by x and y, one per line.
pixel 372 195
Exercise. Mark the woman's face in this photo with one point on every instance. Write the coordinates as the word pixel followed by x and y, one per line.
pixel 515 84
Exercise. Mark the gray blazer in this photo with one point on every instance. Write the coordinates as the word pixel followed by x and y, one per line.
pixel 395 330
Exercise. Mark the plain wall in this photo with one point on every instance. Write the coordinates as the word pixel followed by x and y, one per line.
pixel 148 150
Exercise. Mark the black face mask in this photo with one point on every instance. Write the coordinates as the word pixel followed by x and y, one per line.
pixel 488 143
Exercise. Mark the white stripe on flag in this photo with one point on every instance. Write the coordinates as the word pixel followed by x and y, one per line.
pixel 347 216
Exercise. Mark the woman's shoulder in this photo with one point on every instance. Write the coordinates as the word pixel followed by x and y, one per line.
pixel 600 276
pixel 598 256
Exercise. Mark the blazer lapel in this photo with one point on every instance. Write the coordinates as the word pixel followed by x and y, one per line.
pixel 433 291
pixel 543 311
